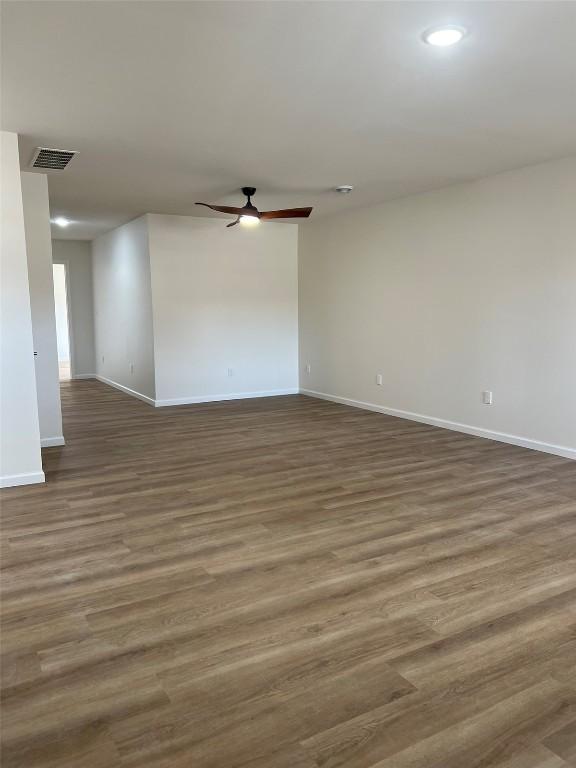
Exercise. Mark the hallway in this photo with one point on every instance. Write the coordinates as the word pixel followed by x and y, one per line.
pixel 286 583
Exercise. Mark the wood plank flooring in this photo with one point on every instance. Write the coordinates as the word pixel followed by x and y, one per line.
pixel 286 583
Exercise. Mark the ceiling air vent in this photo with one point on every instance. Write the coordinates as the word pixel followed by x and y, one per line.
pixel 51 159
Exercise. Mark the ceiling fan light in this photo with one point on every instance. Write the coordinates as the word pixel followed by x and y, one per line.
pixel 444 36
pixel 249 221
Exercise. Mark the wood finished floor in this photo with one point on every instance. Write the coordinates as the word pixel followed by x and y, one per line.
pixel 286 583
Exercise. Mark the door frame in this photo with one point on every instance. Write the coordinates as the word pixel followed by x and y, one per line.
pixel 66 264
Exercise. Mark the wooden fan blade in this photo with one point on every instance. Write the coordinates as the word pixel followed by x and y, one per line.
pixel 233 223
pixel 288 213
pixel 224 208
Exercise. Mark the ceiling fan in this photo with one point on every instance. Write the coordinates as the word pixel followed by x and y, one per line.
pixel 250 215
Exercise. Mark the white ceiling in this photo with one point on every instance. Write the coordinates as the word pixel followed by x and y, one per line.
pixel 174 102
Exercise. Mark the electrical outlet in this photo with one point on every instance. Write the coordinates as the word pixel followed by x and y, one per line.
pixel 230 372
pixel 131 368
pixel 308 368
pixel 379 379
pixel 487 397
pixel 102 358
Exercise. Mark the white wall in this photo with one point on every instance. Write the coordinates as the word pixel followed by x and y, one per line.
pixel 39 255
pixel 77 256
pixel 123 308
pixel 223 299
pixel 447 294
pixel 20 457
pixel 61 307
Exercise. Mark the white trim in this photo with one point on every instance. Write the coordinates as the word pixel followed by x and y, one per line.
pixel 69 325
pixel 28 478
pixel 502 437
pixel 126 390
pixel 194 400
pixel 71 349
pixel 51 442
pixel 228 396
pixel 84 376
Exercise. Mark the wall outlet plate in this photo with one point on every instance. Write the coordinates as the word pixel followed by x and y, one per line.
pixel 487 397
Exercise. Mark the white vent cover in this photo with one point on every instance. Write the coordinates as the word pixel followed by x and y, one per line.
pixel 51 159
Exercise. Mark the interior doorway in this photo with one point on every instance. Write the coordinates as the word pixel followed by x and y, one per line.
pixel 62 322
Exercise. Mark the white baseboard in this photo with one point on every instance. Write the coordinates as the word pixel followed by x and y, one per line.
pixel 228 396
pixel 84 376
pixel 502 437
pixel 192 400
pixel 126 390
pixel 50 442
pixel 28 478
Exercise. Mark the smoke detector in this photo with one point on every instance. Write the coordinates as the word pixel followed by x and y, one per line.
pixel 52 159
pixel 344 189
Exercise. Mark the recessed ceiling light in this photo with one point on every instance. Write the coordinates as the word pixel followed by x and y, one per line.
pixel 344 189
pixel 444 36
pixel 61 221
pixel 249 221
